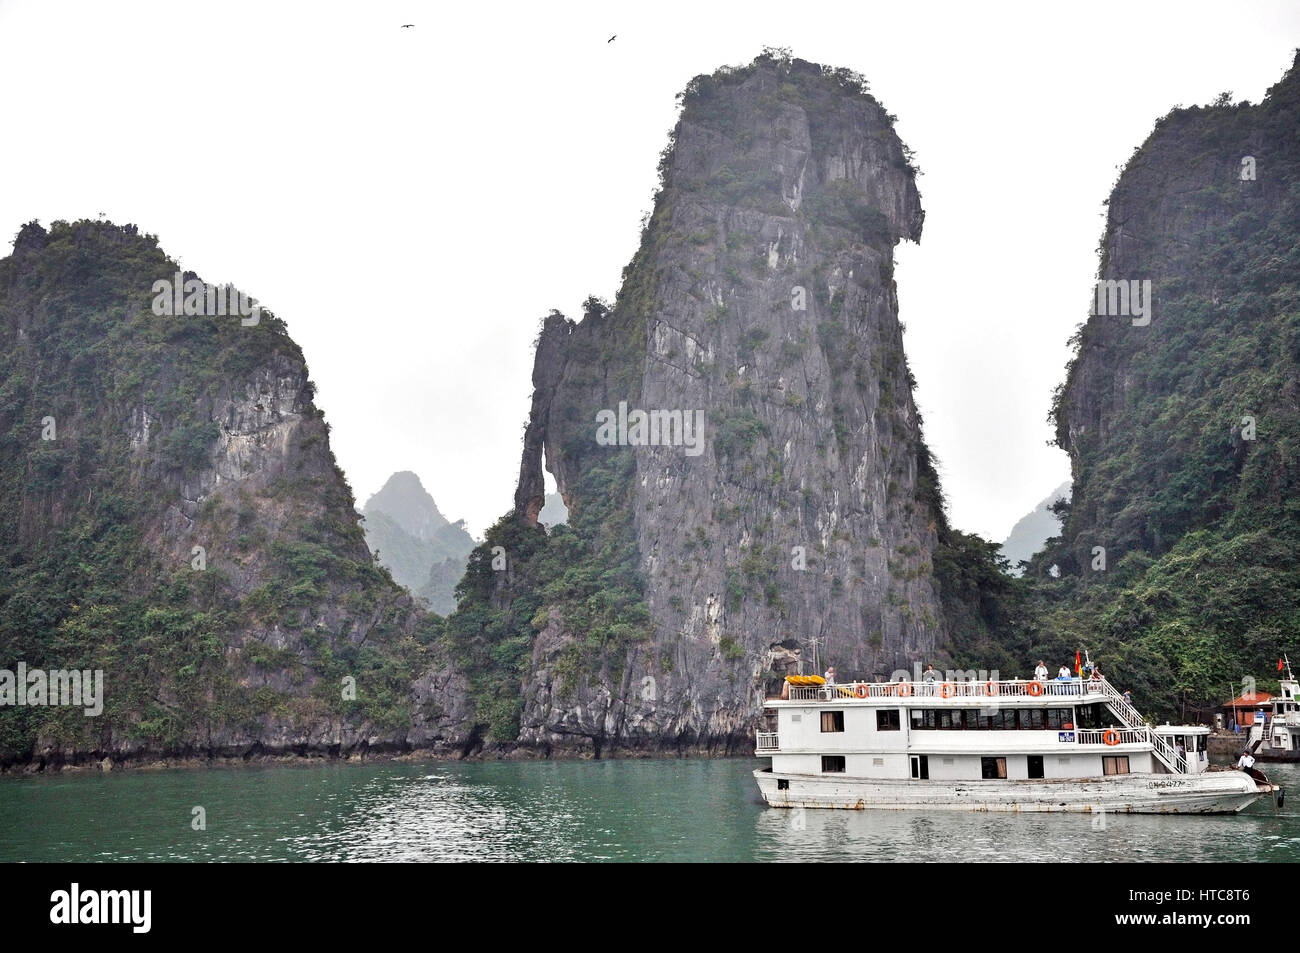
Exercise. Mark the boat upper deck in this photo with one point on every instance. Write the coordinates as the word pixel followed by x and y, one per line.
pixel 955 693
pixel 1009 696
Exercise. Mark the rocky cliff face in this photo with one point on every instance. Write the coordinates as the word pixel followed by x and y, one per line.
pixel 762 305
pixel 174 517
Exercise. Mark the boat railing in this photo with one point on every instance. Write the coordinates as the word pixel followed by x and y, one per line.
pixel 1110 737
pixel 768 741
pixel 1113 736
pixel 1130 736
pixel 1007 688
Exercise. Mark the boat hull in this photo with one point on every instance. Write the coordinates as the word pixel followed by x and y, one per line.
pixel 1277 757
pixel 1215 792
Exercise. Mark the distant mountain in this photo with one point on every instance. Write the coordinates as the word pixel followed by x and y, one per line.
pixel 554 512
pixel 439 585
pixel 1034 529
pixel 452 546
pixel 408 503
pixel 417 544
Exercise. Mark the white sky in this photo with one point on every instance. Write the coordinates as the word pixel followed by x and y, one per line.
pixel 411 202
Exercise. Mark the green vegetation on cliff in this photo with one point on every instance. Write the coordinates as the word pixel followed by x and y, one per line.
pixel 586 571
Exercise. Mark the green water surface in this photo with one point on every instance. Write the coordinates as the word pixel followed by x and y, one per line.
pixel 660 810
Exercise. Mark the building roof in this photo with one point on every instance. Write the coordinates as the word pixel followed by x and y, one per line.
pixel 1252 701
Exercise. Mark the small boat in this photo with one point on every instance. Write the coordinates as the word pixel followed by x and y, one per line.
pixel 966 745
pixel 1275 734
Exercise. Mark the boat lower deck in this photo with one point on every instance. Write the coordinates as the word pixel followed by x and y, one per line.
pixel 1213 792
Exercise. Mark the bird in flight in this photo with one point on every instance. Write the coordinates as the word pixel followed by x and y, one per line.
pixel 407 26
pixel 612 38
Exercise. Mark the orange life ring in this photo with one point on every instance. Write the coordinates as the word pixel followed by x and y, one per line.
pixel 1110 737
pixel 904 689
pixel 990 688
pixel 947 691
pixel 860 691
pixel 1035 688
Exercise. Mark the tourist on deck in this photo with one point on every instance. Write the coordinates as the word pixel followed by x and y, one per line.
pixel 1040 673
pixel 1096 673
pixel 930 677
pixel 830 675
pixel 1246 761
pixel 1128 699
pixel 1061 676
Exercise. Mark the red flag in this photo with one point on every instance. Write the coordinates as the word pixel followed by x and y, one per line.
pixel 1279 665
pixel 1078 665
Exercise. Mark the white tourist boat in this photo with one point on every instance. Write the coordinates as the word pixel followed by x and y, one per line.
pixel 1060 745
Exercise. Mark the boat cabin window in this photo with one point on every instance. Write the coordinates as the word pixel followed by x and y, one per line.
pixel 887 719
pixel 1001 720
pixel 832 721
pixel 1200 742
pixel 993 768
pixel 1035 765
pixel 1117 764
pixel 946 719
pixel 1058 718
pixel 832 764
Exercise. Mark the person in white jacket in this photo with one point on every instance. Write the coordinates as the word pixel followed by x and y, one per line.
pixel 1040 673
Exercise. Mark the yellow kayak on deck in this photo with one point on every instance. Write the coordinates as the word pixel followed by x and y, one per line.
pixel 805 680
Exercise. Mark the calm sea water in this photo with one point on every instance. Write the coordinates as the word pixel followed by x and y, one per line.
pixel 694 810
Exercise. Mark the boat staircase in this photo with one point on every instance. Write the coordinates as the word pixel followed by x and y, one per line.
pixel 1126 713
